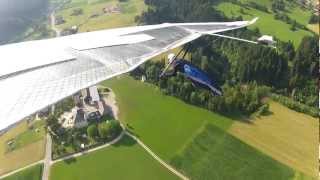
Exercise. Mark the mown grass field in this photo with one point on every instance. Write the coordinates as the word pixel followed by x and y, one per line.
pixel 267 24
pixel 129 10
pixel 32 173
pixel 164 123
pixel 156 119
pixel 215 154
pixel 29 136
pixel 30 148
pixel 314 27
pixel 122 161
pixel 287 136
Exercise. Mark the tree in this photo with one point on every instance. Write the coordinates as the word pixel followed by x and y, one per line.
pixel 104 130
pixel 278 5
pixel 293 26
pixel 109 129
pixel 92 131
pixel 314 19
pixel 306 62
pixel 115 128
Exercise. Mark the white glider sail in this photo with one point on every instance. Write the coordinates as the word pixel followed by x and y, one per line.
pixel 36 74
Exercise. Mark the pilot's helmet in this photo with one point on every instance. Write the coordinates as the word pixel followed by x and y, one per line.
pixel 171 57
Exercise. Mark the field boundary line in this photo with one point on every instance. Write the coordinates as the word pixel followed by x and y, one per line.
pixel 163 163
pixel 20 169
pixel 90 150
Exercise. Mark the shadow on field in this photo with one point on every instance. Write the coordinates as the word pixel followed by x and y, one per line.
pixel 240 117
pixel 125 141
pixel 70 160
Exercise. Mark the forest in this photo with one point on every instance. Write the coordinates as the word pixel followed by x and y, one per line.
pixel 247 73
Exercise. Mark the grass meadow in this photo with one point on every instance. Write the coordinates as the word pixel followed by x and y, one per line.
pixel 287 136
pixel 267 24
pixel 30 147
pixel 162 122
pixel 124 160
pixel 32 173
pixel 129 10
pixel 215 154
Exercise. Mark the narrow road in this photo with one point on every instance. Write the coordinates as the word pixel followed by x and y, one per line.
pixel 111 101
pixel 163 163
pixel 53 25
pixel 47 159
pixel 90 150
pixel 20 169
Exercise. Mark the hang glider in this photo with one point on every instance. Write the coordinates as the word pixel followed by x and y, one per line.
pixel 37 74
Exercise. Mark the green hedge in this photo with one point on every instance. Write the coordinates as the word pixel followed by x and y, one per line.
pixel 297 106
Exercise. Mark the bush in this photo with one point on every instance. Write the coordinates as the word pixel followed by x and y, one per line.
pixel 314 19
pixel 92 131
pixel 294 105
pixel 109 129
pixel 104 130
pixel 263 110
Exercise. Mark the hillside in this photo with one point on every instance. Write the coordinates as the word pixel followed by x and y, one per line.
pixel 267 23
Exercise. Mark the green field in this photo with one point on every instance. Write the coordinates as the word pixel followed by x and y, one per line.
pixel 32 173
pixel 162 122
pixel 314 27
pixel 157 118
pixel 267 24
pixel 30 147
pixel 214 154
pixel 122 161
pixel 287 136
pixel 129 10
pixel 29 136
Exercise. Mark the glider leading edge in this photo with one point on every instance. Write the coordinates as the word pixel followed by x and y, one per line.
pixel 37 74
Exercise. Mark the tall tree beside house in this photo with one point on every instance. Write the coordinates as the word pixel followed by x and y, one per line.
pixel 92 131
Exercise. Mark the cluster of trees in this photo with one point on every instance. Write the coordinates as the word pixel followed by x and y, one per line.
pixel 312 111
pixel 285 18
pixel 278 5
pixel 258 6
pixel 305 72
pixel 314 19
pixel 235 65
pixel 63 106
pixel 104 131
pixel 71 139
pixel 244 98
pixel 160 11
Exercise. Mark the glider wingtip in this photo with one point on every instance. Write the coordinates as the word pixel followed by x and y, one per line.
pixel 254 20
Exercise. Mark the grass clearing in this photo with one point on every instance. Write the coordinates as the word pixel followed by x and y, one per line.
pixel 162 122
pixel 124 160
pixel 267 24
pixel 31 148
pixel 287 136
pixel 32 173
pixel 214 154
pixel 129 10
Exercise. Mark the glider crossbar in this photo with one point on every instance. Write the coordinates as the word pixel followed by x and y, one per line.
pixel 234 38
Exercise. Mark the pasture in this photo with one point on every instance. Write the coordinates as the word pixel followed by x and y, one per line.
pixel 287 136
pixel 93 16
pixel 162 122
pixel 31 173
pixel 267 24
pixel 214 154
pixel 124 160
pixel 30 147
